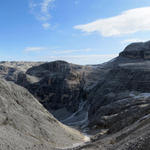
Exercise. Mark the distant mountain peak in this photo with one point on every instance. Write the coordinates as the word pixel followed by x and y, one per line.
pixel 139 50
pixel 138 46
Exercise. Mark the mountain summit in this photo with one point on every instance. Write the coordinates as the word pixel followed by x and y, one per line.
pixel 139 50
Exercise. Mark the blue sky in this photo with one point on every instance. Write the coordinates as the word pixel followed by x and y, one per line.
pixel 78 31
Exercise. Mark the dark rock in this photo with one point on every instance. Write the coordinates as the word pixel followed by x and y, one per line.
pixel 137 50
pixel 61 85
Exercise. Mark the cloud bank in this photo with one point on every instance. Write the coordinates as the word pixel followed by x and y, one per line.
pixel 82 59
pixel 34 49
pixel 128 22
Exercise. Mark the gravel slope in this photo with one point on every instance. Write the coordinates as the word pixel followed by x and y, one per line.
pixel 25 124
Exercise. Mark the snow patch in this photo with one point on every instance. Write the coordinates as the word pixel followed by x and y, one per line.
pixel 141 95
pixel 79 118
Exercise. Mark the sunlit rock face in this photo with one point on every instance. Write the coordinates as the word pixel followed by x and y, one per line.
pixel 26 124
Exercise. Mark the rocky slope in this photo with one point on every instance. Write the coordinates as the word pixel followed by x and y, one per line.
pixel 133 137
pixel 25 124
pixel 14 71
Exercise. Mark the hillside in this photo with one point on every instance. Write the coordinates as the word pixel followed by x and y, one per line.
pixel 25 124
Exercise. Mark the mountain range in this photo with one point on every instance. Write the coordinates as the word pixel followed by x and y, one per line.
pixel 59 105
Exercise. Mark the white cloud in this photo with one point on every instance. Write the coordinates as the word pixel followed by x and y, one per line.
pixel 72 56
pixel 56 50
pixel 45 5
pixel 46 25
pixel 127 22
pixel 34 49
pixel 82 59
pixel 127 41
pixel 41 10
pixel 71 51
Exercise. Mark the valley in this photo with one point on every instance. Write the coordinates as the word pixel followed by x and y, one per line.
pixel 59 105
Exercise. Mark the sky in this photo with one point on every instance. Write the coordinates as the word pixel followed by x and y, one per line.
pixel 77 31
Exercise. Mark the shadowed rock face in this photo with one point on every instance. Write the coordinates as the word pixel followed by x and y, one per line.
pixel 137 50
pixel 59 84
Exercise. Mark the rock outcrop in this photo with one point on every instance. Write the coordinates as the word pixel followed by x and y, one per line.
pixel 137 50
